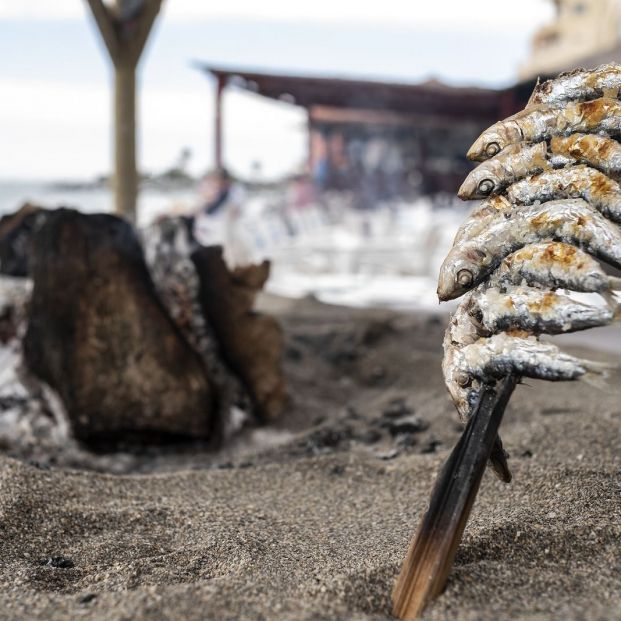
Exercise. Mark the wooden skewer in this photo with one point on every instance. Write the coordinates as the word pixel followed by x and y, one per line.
pixel 432 550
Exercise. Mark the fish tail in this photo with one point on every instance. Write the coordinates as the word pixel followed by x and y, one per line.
pixel 614 283
pixel 597 373
pixel 498 461
pixel 613 304
pixel 534 93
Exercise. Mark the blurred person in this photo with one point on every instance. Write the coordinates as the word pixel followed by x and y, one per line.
pixel 300 197
pixel 217 220
pixel 301 192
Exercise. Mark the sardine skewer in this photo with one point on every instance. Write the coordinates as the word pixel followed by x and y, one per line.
pixel 468 369
pixel 518 161
pixel 504 354
pixel 485 212
pixel 513 163
pixel 577 85
pixel 477 357
pixel 580 181
pixel 571 221
pixel 534 310
pixel 595 150
pixel 555 265
pixel 468 332
pixel 542 122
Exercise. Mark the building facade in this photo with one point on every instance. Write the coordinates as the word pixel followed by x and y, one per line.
pixel 581 29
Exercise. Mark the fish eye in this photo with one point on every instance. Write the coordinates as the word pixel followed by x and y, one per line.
pixel 492 149
pixel 486 186
pixel 477 314
pixel 463 379
pixel 464 278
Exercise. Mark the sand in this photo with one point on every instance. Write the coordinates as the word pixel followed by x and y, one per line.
pixel 316 525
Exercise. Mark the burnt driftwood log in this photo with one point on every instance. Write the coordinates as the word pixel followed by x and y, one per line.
pixel 16 233
pixel 124 365
pixel 251 343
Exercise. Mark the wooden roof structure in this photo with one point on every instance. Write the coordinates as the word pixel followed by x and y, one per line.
pixel 430 98
pixel 442 120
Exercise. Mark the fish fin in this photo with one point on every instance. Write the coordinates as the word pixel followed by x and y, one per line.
pixel 498 461
pixel 613 304
pixel 531 99
pixel 614 283
pixel 610 93
pixel 597 373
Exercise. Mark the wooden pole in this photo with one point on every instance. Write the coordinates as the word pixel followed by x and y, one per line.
pixel 125 34
pixel 309 142
pixel 125 173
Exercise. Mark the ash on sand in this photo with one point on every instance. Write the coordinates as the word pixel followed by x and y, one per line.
pixel 311 519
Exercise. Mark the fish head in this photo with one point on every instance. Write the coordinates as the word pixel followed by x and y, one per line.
pixel 494 139
pixel 464 268
pixel 480 183
pixel 464 391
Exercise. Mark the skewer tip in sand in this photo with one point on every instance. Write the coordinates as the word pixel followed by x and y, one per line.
pixel 432 550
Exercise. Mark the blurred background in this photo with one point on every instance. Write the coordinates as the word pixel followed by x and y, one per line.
pixel 328 137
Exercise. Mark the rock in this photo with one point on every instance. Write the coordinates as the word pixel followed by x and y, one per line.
pixel 87 598
pixel 326 439
pixel 58 562
pixel 337 470
pixel 376 330
pixel 430 447
pixel 405 440
pixel 387 455
pixel 100 337
pixel 397 408
pixel 369 436
pixel 408 424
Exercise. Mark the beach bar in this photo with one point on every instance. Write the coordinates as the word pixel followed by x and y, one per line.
pixel 391 138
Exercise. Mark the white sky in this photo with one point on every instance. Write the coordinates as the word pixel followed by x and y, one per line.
pixel 498 14
pixel 55 104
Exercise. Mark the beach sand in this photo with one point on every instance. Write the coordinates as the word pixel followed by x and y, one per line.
pixel 311 519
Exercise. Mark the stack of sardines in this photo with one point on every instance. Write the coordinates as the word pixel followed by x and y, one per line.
pixel 551 206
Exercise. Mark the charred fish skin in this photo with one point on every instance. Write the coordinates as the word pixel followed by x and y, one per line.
pixel 570 221
pixel 505 354
pixel 600 152
pixel 553 265
pixel 542 122
pixel 535 311
pixel 559 171
pixel 518 161
pixel 513 163
pixel 580 181
pixel 481 216
pixel 578 85
pixel 462 387
pixel 471 361
pixel 529 125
